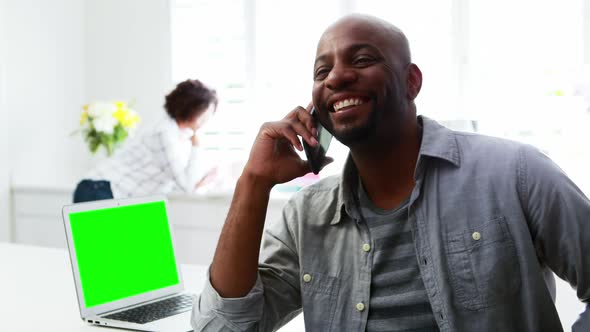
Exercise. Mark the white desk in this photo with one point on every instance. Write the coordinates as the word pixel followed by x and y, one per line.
pixel 37 291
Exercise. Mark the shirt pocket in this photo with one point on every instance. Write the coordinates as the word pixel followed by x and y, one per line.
pixel 483 264
pixel 319 293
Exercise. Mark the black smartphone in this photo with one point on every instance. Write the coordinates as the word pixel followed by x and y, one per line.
pixel 317 155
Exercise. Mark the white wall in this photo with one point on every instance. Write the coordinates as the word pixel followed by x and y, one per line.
pixel 128 53
pixel 4 161
pixel 42 85
pixel 44 77
pixel 586 32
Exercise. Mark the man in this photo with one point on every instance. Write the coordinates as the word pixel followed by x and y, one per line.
pixel 427 229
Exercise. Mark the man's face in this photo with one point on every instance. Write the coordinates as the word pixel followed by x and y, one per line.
pixel 358 89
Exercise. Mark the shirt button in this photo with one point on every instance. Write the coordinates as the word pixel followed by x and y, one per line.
pixel 307 277
pixel 360 306
pixel 366 247
pixel 476 236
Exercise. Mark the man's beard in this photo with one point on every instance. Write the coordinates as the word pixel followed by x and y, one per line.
pixel 355 135
pixel 370 129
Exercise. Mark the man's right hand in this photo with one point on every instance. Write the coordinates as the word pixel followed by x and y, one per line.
pixel 273 159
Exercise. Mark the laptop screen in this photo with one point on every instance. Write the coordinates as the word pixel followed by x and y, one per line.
pixel 123 251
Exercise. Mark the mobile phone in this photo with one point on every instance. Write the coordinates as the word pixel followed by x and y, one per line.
pixel 317 155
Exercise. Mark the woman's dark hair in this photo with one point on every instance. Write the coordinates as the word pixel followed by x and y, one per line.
pixel 189 99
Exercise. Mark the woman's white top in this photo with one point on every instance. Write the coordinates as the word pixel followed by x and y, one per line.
pixel 157 162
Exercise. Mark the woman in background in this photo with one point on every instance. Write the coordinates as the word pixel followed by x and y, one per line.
pixel 160 160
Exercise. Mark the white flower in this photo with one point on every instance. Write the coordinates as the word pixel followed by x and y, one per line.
pixel 100 109
pixel 102 116
pixel 105 124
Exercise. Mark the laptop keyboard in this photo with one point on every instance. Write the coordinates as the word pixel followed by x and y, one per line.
pixel 154 311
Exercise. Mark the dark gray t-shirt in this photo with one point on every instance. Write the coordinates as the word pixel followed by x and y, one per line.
pixel 398 299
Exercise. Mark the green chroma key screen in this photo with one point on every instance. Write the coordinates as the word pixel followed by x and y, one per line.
pixel 123 251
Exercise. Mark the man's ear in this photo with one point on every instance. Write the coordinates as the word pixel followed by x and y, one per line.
pixel 413 81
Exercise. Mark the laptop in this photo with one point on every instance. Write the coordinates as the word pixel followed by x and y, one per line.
pixel 124 265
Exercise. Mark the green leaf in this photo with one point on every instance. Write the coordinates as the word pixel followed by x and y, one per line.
pixel 111 142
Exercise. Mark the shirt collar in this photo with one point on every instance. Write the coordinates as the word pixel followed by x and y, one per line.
pixel 437 142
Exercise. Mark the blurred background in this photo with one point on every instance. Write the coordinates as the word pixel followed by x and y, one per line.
pixel 516 69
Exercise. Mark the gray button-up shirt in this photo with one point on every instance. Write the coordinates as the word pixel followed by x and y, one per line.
pixel 492 219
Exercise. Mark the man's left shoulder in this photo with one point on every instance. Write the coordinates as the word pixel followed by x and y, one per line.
pixel 488 146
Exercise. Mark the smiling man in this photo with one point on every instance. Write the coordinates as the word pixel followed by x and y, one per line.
pixel 427 229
